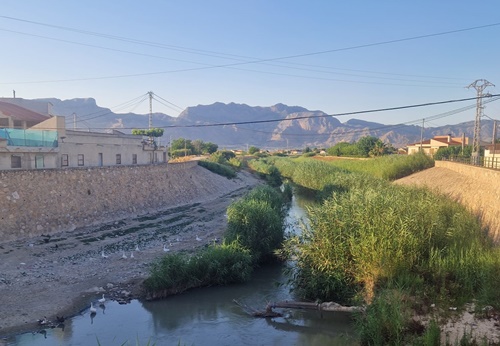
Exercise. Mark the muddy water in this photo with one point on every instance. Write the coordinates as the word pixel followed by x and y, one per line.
pixel 205 316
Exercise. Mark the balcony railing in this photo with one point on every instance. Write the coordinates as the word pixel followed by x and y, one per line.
pixel 29 138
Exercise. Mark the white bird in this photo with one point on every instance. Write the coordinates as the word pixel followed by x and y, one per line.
pixel 103 255
pixel 137 247
pixel 178 239
pixel 132 254
pixel 123 255
pixel 165 248
pixel 198 238
pixel 102 300
pixel 93 310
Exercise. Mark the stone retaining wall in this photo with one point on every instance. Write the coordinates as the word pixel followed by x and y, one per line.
pixel 35 202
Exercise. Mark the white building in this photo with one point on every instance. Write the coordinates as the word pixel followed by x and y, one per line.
pixel 30 140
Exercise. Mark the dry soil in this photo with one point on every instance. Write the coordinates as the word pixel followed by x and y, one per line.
pixel 60 274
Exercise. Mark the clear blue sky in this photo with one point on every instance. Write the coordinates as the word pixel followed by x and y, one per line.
pixel 321 55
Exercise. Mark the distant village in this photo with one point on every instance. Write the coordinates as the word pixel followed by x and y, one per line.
pixel 31 137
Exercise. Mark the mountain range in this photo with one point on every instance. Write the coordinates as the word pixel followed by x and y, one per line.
pixel 278 126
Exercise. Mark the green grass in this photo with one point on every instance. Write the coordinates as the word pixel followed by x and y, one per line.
pixel 217 168
pixel 369 237
pixel 389 167
pixel 217 265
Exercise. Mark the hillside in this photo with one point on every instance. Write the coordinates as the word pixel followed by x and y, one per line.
pixel 275 127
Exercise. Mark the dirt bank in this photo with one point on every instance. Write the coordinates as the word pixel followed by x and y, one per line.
pixel 59 275
pixel 479 196
pixel 478 193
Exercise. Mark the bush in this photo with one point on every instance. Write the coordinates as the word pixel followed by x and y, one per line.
pixel 223 170
pixel 217 265
pixel 257 222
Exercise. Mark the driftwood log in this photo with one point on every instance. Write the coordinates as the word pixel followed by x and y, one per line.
pixel 327 306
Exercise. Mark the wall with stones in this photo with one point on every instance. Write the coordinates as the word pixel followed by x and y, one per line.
pixel 35 202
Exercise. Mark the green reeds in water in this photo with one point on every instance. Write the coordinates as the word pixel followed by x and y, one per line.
pixel 217 265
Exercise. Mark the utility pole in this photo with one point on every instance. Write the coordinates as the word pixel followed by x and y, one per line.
pixel 422 134
pixel 150 93
pixel 74 121
pixel 479 85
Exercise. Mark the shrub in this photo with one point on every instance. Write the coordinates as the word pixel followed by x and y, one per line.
pixel 257 222
pixel 223 170
pixel 217 265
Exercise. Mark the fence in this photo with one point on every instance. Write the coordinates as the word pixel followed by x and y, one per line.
pixel 484 161
pixel 29 138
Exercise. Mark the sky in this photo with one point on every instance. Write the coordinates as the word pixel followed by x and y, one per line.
pixel 328 55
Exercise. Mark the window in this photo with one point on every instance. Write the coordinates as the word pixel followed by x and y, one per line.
pixel 118 159
pixel 134 159
pixel 39 161
pixel 4 122
pixel 18 124
pixel 15 161
pixel 81 162
pixel 64 160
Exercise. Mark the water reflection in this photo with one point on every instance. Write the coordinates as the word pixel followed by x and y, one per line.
pixel 206 316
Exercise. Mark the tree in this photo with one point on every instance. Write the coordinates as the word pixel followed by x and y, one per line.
pixel 154 132
pixel 209 148
pixel 379 149
pixel 366 144
pixel 181 144
pixel 252 150
pixel 343 149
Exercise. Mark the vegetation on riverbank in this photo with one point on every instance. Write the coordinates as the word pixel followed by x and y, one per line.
pixel 216 265
pixel 255 230
pixel 372 242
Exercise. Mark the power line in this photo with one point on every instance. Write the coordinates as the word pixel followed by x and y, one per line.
pixel 194 51
pixel 384 127
pixel 491 98
pixel 331 115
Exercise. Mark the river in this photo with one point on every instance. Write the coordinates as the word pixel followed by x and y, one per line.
pixel 206 316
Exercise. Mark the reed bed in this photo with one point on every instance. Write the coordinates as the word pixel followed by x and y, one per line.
pixel 257 221
pixel 369 237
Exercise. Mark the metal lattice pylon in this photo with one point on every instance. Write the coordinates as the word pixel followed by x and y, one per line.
pixel 479 85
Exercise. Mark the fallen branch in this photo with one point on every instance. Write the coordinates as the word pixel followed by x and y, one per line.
pixel 268 312
pixel 326 306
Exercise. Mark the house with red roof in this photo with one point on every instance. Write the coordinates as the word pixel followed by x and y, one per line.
pixel 430 146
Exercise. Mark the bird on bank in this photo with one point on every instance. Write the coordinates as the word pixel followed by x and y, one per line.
pixel 137 248
pixel 165 248
pixel 102 300
pixel 93 310
pixel 198 238
pixel 123 255
pixel 132 254
pixel 103 255
pixel 43 321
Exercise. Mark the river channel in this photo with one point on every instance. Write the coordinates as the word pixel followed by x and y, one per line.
pixel 206 316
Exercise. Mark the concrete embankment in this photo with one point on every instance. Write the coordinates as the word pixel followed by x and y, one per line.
pixel 477 188
pixel 35 202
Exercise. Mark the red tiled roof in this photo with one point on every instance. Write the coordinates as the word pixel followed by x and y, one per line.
pixel 427 141
pixel 20 113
